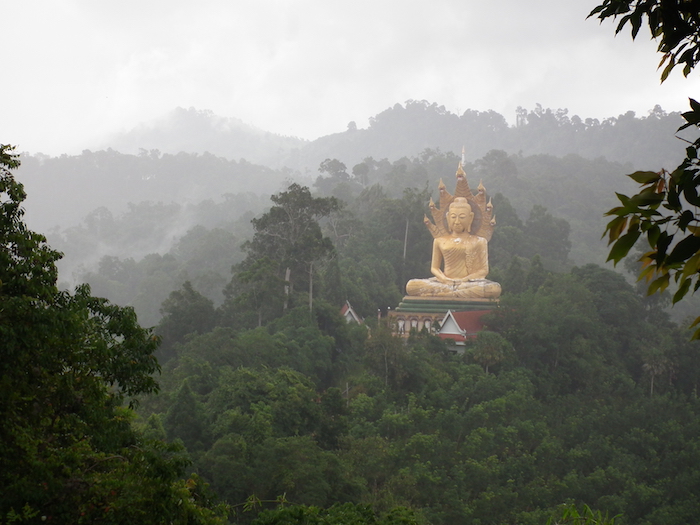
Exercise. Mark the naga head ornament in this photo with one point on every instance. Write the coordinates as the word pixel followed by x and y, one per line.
pixel 484 219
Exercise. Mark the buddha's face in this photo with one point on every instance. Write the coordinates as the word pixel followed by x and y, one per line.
pixel 460 217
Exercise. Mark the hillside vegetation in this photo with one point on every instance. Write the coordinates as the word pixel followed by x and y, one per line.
pixel 581 390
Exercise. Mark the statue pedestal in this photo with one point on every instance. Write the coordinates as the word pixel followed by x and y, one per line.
pixel 416 313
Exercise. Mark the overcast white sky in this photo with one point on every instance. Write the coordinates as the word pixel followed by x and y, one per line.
pixel 75 71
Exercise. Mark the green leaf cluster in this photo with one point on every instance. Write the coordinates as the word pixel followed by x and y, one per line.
pixel 665 208
pixel 675 24
pixel 665 213
pixel 69 361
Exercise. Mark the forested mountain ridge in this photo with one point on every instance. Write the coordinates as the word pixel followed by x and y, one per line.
pixel 200 131
pixel 63 190
pixel 405 130
pixel 195 155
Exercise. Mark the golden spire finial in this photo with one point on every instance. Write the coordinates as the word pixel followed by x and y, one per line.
pixel 462 189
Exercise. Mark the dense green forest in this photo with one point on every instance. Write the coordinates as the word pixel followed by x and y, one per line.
pixel 70 363
pixel 581 390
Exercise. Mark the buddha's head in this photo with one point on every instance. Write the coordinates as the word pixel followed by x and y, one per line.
pixel 460 216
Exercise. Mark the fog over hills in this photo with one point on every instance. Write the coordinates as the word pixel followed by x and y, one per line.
pixel 190 155
pixel 150 187
pixel 405 130
pixel 198 131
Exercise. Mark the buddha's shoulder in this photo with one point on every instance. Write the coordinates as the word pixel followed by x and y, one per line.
pixel 475 240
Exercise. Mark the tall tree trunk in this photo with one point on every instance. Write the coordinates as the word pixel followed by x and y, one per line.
pixel 405 241
pixel 287 275
pixel 311 287
pixel 386 368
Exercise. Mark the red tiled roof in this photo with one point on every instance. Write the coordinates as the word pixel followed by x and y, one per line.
pixel 470 321
pixel 349 313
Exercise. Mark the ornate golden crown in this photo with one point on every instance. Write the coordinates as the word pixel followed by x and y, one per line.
pixel 484 220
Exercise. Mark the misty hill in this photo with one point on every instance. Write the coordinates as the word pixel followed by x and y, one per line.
pixel 647 142
pixel 199 131
pixel 405 130
pixel 63 190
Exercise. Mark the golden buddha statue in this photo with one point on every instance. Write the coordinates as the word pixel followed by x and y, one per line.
pixel 460 261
